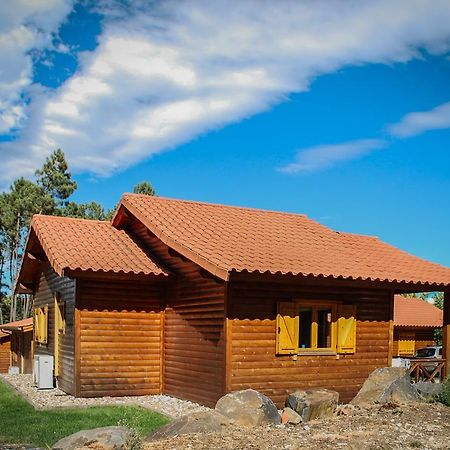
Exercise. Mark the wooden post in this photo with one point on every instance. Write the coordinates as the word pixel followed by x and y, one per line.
pixel 391 329
pixel 446 333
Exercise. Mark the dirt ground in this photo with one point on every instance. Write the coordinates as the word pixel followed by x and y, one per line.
pixel 413 426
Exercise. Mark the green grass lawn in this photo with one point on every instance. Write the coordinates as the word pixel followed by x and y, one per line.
pixel 20 423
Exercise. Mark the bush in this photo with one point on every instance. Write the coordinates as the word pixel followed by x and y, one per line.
pixel 445 396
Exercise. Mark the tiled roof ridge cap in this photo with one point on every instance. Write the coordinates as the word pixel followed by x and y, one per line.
pixel 221 205
pixel 347 233
pixel 75 219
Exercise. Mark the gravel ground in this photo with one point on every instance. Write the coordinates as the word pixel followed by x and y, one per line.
pixel 55 398
pixel 414 426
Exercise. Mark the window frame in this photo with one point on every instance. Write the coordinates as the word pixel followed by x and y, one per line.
pixel 315 305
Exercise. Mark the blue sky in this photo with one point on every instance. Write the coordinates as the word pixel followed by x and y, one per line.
pixel 303 107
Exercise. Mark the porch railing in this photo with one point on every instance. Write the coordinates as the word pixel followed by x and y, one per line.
pixel 427 369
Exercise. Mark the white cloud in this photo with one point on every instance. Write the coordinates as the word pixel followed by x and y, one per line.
pixel 164 74
pixel 323 156
pixel 24 25
pixel 419 122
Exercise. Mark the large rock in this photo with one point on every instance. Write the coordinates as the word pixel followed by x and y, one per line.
pixel 313 403
pixel 429 390
pixel 248 408
pixel 199 422
pixel 106 438
pixel 387 384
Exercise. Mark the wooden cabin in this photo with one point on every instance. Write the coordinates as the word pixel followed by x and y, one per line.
pixel 195 300
pixel 20 337
pixel 415 322
pixel 5 347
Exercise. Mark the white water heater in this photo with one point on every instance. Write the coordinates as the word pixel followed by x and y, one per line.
pixel 43 371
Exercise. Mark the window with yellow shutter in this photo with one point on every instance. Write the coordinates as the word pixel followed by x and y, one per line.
pixel 406 343
pixel 40 319
pixel 315 327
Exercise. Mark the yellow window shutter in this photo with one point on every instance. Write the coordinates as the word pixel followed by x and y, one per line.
pixel 36 324
pixel 346 329
pixel 45 325
pixel 406 344
pixel 287 329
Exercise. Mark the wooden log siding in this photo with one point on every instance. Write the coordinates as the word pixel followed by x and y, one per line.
pixel 252 359
pixel 50 284
pixel 423 337
pixel 120 338
pixel 194 351
pixel 5 346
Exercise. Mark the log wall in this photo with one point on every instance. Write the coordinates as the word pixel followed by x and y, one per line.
pixel 50 284
pixel 251 347
pixel 193 349
pixel 5 346
pixel 120 338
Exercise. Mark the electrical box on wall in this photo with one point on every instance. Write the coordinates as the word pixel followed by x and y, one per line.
pixel 43 371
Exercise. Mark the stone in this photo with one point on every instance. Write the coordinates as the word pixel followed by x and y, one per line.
pixel 428 390
pixel 105 438
pixel 386 385
pixel 290 416
pixel 199 422
pixel 347 410
pixel 313 404
pixel 248 408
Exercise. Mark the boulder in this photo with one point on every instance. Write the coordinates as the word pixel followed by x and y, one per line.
pixel 248 408
pixel 313 404
pixel 384 385
pixel 105 438
pixel 428 390
pixel 199 422
pixel 290 416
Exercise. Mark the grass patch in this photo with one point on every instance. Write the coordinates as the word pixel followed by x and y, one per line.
pixel 20 423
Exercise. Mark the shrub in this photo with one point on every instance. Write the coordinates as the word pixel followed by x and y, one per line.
pixel 445 396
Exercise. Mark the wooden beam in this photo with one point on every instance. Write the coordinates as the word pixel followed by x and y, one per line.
pixel 446 332
pixel 391 330
pixel 36 256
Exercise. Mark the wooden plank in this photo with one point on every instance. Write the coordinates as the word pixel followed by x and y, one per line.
pixel 446 333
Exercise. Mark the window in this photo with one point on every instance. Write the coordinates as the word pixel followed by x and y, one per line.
pixel 406 343
pixel 315 327
pixel 40 320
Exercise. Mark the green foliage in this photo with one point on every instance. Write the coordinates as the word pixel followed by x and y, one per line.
pixel 48 195
pixel 145 188
pixel 438 299
pixel 54 177
pixel 22 424
pixel 421 295
pixel 445 396
pixel 92 210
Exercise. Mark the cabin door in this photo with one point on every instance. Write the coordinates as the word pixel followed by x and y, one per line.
pixel 60 325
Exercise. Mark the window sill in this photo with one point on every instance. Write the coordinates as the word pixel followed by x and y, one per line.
pixel 319 352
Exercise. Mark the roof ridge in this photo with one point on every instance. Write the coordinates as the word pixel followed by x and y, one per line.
pixel 359 235
pixel 221 205
pixel 75 219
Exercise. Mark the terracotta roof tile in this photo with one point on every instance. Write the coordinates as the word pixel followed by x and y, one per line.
pixel 224 238
pixel 415 312
pixel 24 323
pixel 78 244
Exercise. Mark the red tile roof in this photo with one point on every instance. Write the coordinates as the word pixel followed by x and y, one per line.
pixel 223 239
pixel 91 245
pixel 23 324
pixel 415 312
